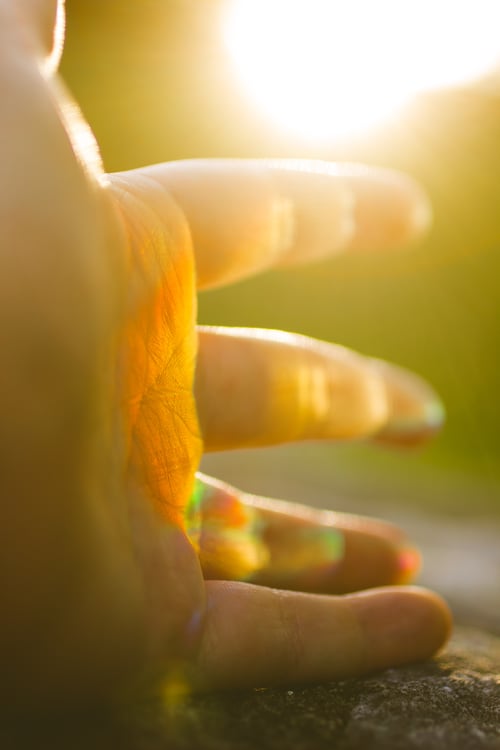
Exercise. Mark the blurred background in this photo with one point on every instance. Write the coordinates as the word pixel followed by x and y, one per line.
pixel 161 80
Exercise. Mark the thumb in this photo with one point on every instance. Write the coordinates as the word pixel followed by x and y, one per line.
pixel 40 24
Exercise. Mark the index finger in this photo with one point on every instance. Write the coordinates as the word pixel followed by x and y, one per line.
pixel 249 215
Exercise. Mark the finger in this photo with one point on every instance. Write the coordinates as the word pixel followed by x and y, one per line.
pixel 291 546
pixel 246 216
pixel 256 636
pixel 416 412
pixel 256 387
pixel 390 209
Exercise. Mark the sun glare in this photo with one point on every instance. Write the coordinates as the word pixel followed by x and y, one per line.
pixel 329 68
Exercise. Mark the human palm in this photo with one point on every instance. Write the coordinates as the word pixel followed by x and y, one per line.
pixel 145 573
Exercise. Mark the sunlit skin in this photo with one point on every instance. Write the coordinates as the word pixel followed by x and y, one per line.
pixel 119 569
pixel 164 443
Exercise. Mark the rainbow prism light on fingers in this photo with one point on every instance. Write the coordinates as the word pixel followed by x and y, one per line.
pixel 226 532
pixel 237 538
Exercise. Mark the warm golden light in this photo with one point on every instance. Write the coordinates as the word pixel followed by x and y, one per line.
pixel 325 68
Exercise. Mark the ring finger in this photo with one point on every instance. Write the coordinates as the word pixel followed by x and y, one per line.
pixel 285 545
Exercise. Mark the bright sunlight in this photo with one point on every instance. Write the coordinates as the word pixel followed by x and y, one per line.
pixel 330 68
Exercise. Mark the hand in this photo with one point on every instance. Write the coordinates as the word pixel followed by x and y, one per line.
pixel 117 566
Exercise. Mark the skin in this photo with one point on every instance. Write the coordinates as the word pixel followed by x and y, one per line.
pixel 112 577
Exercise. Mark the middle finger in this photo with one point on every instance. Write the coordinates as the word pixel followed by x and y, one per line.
pixel 260 387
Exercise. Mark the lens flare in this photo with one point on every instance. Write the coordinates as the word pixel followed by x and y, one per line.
pixel 238 540
pixel 325 68
pixel 226 532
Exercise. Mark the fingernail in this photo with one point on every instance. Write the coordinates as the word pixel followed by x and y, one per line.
pixel 415 410
pixel 416 424
pixel 409 564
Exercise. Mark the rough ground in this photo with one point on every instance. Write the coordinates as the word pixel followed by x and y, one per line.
pixel 451 703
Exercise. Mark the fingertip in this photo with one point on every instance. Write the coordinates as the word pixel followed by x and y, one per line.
pixel 409 564
pixel 350 207
pixel 442 613
pixel 415 411
pixel 415 206
pixel 391 209
pixel 375 554
pixel 432 620
pixel 401 625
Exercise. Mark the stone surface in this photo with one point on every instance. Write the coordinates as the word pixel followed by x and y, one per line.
pixel 451 703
